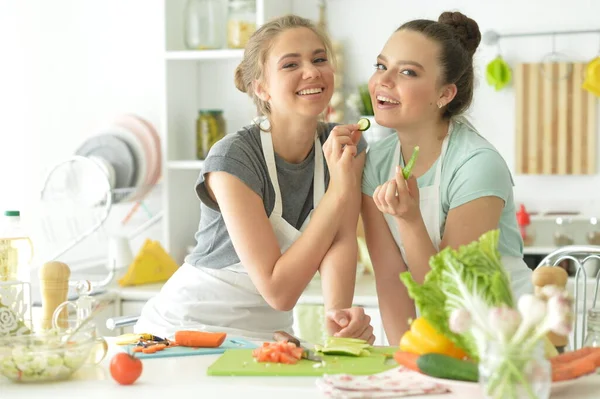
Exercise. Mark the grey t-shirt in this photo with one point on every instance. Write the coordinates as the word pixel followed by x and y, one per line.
pixel 240 154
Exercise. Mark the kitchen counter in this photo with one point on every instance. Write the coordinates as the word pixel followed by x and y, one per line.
pixel 365 293
pixel 185 377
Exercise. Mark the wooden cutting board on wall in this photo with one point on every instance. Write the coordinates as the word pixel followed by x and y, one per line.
pixel 555 120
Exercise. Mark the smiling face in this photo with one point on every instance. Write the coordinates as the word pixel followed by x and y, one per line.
pixel 405 88
pixel 298 77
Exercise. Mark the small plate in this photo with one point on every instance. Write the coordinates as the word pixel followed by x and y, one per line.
pixel 114 150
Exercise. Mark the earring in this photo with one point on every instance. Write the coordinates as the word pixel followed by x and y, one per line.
pixel 440 105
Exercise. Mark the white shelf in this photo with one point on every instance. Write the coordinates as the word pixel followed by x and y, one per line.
pixel 193 80
pixel 198 55
pixel 552 218
pixel 185 165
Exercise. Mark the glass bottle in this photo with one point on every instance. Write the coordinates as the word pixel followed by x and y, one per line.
pixel 241 22
pixel 16 253
pixel 592 335
pixel 506 372
pixel 203 20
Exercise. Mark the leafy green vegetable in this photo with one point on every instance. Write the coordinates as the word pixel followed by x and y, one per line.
pixel 472 278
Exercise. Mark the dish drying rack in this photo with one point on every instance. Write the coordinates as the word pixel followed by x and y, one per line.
pixel 579 255
pixel 76 200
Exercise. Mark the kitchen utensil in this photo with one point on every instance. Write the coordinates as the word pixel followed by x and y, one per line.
pixel 241 363
pixel 556 122
pixel 54 286
pixel 308 354
pixel 498 73
pixel 230 343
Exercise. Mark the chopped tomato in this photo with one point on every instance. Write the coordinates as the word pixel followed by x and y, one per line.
pixel 278 352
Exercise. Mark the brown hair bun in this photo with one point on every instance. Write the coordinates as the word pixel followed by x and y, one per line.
pixel 465 28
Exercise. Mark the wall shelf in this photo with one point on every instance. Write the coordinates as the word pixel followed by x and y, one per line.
pixel 200 55
pixel 185 165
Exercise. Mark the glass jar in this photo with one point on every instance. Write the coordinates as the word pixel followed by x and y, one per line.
pixel 210 128
pixel 517 373
pixel 593 235
pixel 203 20
pixel 592 335
pixel 563 235
pixel 241 22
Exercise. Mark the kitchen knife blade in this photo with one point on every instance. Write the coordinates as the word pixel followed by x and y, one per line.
pixel 307 354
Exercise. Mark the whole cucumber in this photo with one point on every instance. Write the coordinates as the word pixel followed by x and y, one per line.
pixel 450 368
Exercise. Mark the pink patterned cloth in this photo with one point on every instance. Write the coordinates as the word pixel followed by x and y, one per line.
pixel 393 383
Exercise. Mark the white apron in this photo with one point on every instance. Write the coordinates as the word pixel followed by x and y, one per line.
pixel 226 300
pixel 430 205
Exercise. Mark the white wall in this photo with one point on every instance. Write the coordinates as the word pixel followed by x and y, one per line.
pixel 67 67
pixel 363 26
pixel 71 65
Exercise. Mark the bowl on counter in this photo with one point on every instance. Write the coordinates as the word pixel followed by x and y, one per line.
pixel 46 355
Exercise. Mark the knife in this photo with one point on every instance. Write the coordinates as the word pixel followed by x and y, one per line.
pixel 307 354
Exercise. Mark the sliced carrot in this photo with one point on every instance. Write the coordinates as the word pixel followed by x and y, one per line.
pixel 137 348
pixel 199 339
pixel 149 349
pixel 408 360
pixel 160 347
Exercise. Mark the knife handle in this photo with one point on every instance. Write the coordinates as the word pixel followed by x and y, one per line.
pixel 283 336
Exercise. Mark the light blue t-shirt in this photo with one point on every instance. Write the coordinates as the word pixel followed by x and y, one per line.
pixel 472 168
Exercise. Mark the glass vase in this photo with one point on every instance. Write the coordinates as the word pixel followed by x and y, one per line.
pixel 515 372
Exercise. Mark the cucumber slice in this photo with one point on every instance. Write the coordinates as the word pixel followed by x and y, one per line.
pixel 363 124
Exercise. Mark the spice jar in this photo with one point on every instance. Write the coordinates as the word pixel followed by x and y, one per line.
pixel 210 128
pixel 562 235
pixel 241 22
pixel 593 235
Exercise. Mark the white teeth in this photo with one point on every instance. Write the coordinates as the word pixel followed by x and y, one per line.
pixel 310 91
pixel 387 100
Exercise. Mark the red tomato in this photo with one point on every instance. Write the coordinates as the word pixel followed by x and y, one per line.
pixel 125 369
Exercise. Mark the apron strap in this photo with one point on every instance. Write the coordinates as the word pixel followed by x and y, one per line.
pixel 267 147
pixel 318 176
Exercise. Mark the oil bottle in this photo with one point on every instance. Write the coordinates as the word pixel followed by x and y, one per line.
pixel 16 253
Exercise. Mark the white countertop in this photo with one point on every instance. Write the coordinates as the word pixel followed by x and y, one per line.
pixel 365 293
pixel 185 377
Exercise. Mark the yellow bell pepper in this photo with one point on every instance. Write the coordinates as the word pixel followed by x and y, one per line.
pixel 423 338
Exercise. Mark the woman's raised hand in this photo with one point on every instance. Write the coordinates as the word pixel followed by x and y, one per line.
pixel 340 150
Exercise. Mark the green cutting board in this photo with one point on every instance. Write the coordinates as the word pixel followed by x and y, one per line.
pixel 239 362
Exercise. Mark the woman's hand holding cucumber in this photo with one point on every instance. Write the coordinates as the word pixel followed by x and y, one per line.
pixel 340 150
pixel 399 197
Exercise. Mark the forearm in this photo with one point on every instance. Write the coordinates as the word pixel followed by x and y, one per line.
pixel 338 273
pixel 296 267
pixel 417 246
pixel 395 306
